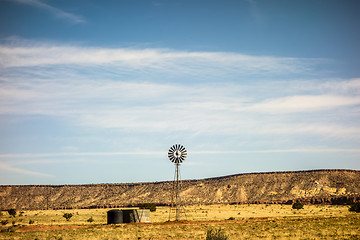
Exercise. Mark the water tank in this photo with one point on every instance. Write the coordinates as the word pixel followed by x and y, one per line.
pixel 115 216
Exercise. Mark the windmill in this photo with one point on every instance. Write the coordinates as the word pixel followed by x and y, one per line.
pixel 177 154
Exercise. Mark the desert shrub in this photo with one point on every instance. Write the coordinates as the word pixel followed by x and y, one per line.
pixel 298 205
pixel 216 235
pixel 4 222
pixel 31 221
pixel 9 229
pixel 67 216
pixel 12 212
pixel 355 207
pixel 150 206
pixel 90 220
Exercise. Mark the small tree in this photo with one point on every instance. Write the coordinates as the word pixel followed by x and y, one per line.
pixel 12 212
pixel 298 205
pixel 150 206
pixel 216 235
pixel 67 216
pixel 355 207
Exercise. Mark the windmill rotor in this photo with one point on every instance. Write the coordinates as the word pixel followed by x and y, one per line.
pixel 177 153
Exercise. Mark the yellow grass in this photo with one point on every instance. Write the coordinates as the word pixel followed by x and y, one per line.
pixel 249 222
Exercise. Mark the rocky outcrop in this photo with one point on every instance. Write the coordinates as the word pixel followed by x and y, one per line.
pixel 313 187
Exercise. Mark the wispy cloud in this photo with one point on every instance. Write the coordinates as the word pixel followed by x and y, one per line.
pixel 254 11
pixel 56 11
pixel 219 109
pixel 8 167
pixel 76 154
pixel 307 103
pixel 307 150
pixel 160 60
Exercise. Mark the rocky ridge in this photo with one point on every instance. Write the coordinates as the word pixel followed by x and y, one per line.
pixel 333 186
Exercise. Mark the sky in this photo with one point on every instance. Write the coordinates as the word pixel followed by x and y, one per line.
pixel 98 91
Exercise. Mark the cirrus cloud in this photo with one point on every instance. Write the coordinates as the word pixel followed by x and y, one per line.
pixel 56 11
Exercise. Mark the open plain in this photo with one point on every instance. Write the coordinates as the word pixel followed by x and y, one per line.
pixel 245 221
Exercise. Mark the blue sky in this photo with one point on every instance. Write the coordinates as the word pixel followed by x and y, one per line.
pixel 98 91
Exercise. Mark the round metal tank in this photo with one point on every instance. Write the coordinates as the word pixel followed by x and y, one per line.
pixel 130 216
pixel 115 216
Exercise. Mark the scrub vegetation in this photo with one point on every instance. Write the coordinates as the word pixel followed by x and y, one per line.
pixel 355 207
pixel 201 222
pixel 298 205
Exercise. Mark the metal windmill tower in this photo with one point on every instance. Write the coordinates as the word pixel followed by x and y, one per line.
pixel 177 154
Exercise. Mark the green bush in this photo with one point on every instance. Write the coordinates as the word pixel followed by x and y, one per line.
pixel 355 207
pixel 12 212
pixel 67 216
pixel 31 221
pixel 298 205
pixel 216 235
pixel 150 206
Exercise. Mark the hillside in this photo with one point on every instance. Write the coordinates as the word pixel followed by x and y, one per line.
pixel 315 186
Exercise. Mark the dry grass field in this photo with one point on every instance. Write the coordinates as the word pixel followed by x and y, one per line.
pixel 237 221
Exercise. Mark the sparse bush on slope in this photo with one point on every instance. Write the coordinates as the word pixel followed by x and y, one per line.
pixel 12 212
pixel 355 207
